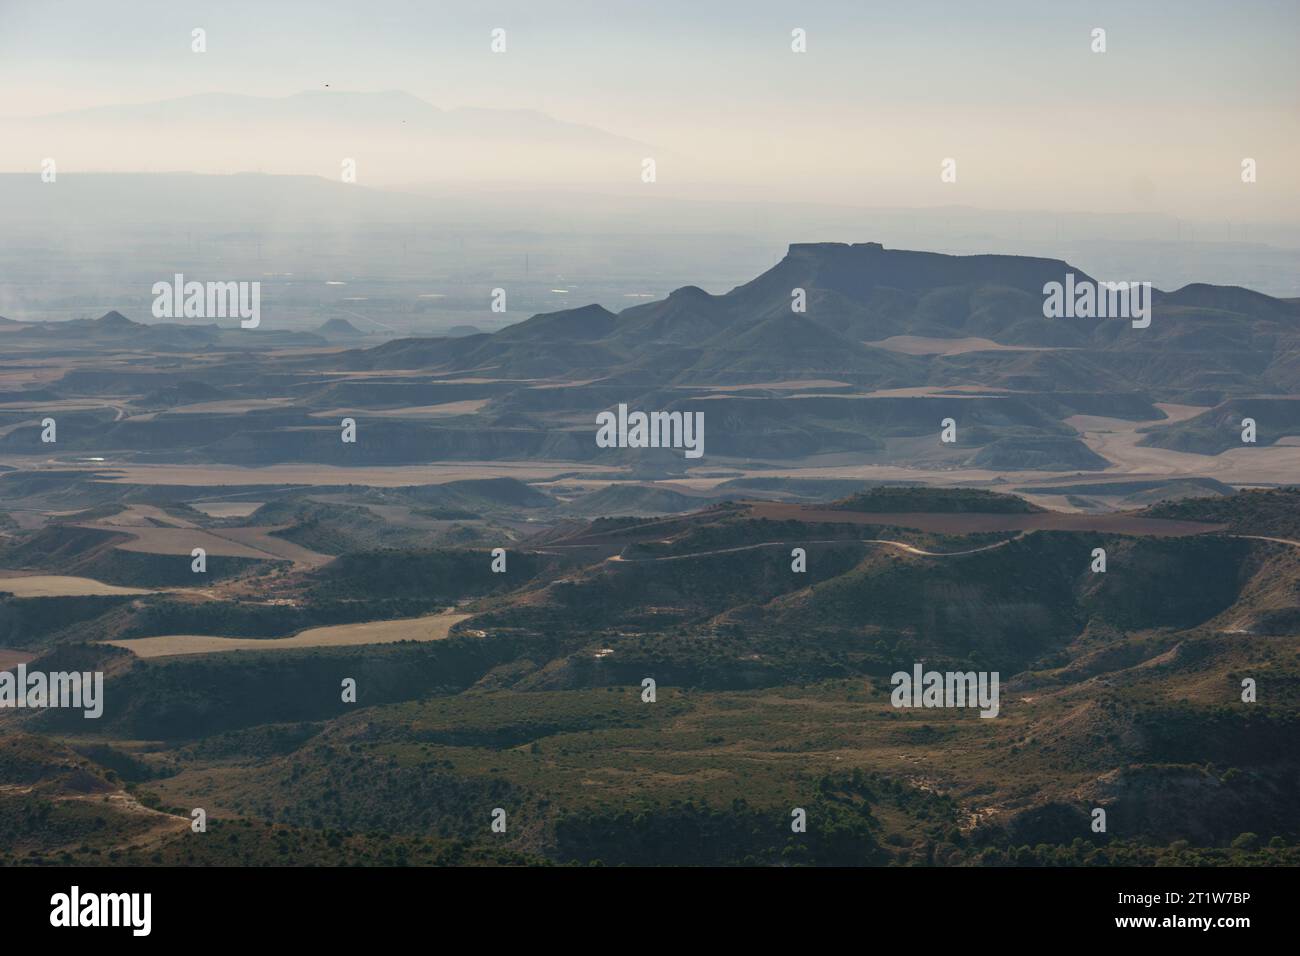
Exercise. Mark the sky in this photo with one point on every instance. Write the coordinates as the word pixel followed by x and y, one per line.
pixel 886 91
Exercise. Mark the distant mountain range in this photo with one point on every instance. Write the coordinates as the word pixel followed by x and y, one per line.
pixel 368 111
pixel 115 329
pixel 392 137
pixel 1204 341
pixel 890 343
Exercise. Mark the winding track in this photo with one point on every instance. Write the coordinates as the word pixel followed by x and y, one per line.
pixel 901 545
pixel 1260 537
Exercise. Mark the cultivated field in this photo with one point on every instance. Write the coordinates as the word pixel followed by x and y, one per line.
pixel 227 509
pixel 1117 441
pixel 183 540
pixel 144 516
pixel 921 345
pixel 433 627
pixel 11 658
pixel 394 476
pixel 252 542
pixel 59 585
pixel 442 410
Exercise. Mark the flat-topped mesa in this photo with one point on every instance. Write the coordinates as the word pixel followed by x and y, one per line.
pixel 810 249
pixel 856 268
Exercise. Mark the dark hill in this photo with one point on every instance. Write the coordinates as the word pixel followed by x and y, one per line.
pixel 339 328
pixel 578 325
pixel 1269 513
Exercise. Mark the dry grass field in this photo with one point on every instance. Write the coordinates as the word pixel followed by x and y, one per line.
pixel 433 627
pixel 921 345
pixel 394 476
pixel 443 410
pixel 59 585
pixel 252 542
pixel 227 509
pixel 11 658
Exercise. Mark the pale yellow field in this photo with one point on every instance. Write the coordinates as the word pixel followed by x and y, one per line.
pixel 433 627
pixel 58 585
pixel 226 509
pixel 10 659
pixel 228 406
pixel 144 516
pixel 269 544
pixel 184 540
pixel 254 542
pixel 468 407
pixel 391 476
pixel 921 345
pixel 787 385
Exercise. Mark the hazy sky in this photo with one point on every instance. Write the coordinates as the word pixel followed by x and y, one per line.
pixel 1011 90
